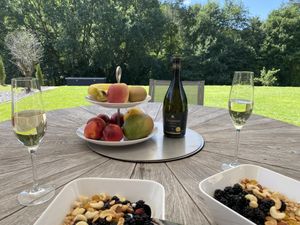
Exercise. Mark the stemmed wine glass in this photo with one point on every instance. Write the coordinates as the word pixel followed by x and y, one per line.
pixel 240 105
pixel 29 125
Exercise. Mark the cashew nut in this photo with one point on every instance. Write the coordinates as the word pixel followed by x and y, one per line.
pixel 96 218
pixel 76 204
pixel 260 194
pixel 251 187
pixel 297 213
pixel 112 202
pixel 90 215
pixel 253 204
pixel 278 195
pixel 270 218
pixel 121 221
pixel 108 218
pixel 277 203
pixel 251 197
pixel 97 205
pixel 78 211
pixel 271 222
pixel 104 197
pixel 82 223
pixel 80 217
pixel 276 214
pixel 83 199
pixel 117 208
pixel 96 198
pixel 106 213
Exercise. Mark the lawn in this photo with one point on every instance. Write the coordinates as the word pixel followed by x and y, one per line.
pixel 281 103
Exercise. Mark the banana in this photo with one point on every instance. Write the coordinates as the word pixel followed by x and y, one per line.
pixel 101 86
pixel 98 92
pixel 102 96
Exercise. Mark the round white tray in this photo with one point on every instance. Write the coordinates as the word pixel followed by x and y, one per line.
pixel 157 149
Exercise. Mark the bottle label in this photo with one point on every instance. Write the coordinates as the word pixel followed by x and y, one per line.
pixel 174 124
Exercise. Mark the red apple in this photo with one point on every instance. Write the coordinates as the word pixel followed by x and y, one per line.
pixel 114 119
pixel 112 132
pixel 94 129
pixel 104 117
pixel 118 93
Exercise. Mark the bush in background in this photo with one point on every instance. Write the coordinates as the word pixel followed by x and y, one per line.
pixel 267 77
pixel 2 72
pixel 39 74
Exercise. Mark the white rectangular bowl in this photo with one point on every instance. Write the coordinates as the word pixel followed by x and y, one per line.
pixel 151 192
pixel 222 214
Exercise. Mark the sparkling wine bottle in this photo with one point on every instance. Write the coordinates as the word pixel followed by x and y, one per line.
pixel 175 107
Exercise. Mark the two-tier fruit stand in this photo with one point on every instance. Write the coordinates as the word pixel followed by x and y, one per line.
pixel 153 148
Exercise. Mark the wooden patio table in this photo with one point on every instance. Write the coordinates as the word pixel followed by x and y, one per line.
pixel 63 157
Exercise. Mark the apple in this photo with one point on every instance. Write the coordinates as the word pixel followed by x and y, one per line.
pixel 112 132
pixel 104 117
pixel 118 93
pixel 114 119
pixel 94 128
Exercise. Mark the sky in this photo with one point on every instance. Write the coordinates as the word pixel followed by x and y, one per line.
pixel 259 8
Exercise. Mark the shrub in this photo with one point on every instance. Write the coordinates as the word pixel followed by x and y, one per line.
pixel 2 72
pixel 39 74
pixel 267 77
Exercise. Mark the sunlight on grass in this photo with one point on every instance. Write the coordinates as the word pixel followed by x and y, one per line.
pixel 281 103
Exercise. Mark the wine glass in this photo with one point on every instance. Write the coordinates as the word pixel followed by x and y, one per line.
pixel 29 125
pixel 240 105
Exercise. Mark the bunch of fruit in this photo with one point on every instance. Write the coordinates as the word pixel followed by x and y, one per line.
pixel 116 93
pixel 134 124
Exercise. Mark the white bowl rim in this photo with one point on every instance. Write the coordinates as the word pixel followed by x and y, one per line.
pixel 226 171
pixel 107 179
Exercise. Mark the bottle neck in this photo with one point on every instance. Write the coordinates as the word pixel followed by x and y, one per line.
pixel 176 72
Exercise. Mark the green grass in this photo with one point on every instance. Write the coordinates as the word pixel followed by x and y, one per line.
pixel 281 103
pixel 5 88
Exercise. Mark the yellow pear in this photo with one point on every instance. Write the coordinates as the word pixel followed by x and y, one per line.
pixel 132 111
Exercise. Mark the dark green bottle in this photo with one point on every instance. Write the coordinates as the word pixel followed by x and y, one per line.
pixel 175 108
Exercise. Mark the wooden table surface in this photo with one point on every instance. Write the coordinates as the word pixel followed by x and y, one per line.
pixel 63 157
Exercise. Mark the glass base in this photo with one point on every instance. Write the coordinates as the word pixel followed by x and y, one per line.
pixel 226 166
pixel 30 197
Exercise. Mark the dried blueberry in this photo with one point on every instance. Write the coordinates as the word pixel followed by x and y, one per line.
pixel 229 190
pixel 218 194
pixel 237 188
pixel 265 205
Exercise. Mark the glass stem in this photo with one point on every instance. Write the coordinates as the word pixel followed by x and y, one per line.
pixel 32 152
pixel 237 146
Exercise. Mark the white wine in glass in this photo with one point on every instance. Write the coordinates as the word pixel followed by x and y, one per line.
pixel 29 124
pixel 240 106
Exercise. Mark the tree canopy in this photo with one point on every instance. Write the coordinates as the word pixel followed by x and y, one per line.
pixel 90 38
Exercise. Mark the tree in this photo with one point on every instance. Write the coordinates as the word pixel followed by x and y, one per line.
pixel 91 38
pixel 25 49
pixel 214 43
pixel 39 74
pixel 281 46
pixel 2 72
